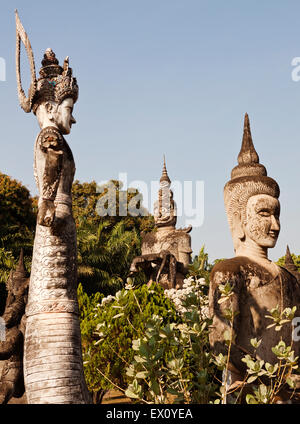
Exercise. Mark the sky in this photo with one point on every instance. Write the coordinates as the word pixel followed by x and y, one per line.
pixel 171 77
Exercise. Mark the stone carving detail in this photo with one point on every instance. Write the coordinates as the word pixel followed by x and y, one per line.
pixel 53 369
pixel 166 253
pixel 289 264
pixel 12 346
pixel 252 206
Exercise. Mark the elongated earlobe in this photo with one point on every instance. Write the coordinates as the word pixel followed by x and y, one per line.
pixel 238 226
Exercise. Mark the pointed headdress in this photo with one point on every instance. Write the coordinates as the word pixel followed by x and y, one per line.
pixel 248 178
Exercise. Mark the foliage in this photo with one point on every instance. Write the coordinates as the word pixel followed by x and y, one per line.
pixel 86 197
pixel 173 363
pixel 200 267
pixel 106 245
pixel 17 224
pixel 15 204
pixel 104 255
pixel 109 327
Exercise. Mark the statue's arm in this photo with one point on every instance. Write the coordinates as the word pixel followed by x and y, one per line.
pixel 10 344
pixel 51 147
pixel 14 312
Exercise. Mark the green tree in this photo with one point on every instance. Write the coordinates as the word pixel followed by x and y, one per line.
pixel 107 244
pixel 86 198
pixel 105 253
pixel 17 216
pixel 17 225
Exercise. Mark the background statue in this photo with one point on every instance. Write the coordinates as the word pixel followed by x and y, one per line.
pixel 290 265
pixel 12 344
pixel 53 368
pixel 166 252
pixel 252 206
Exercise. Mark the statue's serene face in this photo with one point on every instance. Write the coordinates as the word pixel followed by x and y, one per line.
pixel 262 223
pixel 62 116
pixel 58 115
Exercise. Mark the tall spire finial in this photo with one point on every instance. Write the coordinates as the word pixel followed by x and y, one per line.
pixel 165 176
pixel 289 262
pixel 248 153
pixel 248 160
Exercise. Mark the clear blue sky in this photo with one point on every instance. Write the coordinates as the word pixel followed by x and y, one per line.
pixel 173 77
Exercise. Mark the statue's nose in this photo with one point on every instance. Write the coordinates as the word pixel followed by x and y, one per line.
pixel 275 225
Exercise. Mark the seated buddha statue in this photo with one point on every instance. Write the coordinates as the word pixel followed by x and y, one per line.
pixel 166 252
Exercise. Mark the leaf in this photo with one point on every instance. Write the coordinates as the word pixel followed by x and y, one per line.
pixel 291 382
pixel 250 399
pixel 155 387
pixel 251 379
pixel 140 359
pixel 255 343
pixel 129 393
pixel 118 315
pixel 142 374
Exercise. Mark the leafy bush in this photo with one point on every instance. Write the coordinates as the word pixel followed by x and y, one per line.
pixel 108 329
pixel 173 362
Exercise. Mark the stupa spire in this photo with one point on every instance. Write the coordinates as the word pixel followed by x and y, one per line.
pixel 289 262
pixel 248 159
pixel 164 175
pixel 248 153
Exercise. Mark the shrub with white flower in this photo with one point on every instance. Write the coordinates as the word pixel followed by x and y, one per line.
pixel 184 298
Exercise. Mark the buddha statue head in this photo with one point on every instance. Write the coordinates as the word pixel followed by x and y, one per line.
pixel 251 202
pixel 52 96
pixel 165 206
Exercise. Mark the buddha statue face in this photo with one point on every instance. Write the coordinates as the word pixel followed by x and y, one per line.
pixel 59 115
pixel 261 225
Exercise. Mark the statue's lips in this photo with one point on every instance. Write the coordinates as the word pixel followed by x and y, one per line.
pixel 273 234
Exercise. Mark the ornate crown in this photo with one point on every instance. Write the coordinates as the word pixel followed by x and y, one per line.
pixel 55 83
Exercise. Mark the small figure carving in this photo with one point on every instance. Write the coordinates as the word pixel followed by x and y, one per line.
pixel 166 253
pixel 252 206
pixel 11 347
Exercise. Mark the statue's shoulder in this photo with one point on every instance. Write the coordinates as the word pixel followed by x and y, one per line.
pixel 233 266
pixel 50 137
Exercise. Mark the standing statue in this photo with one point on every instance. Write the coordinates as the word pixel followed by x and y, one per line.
pixel 53 368
pixel 252 206
pixel 12 346
pixel 166 253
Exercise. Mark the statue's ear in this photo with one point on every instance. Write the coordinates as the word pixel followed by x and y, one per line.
pixel 238 226
pixel 49 107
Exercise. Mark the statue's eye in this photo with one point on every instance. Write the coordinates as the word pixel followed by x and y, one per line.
pixel 264 212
